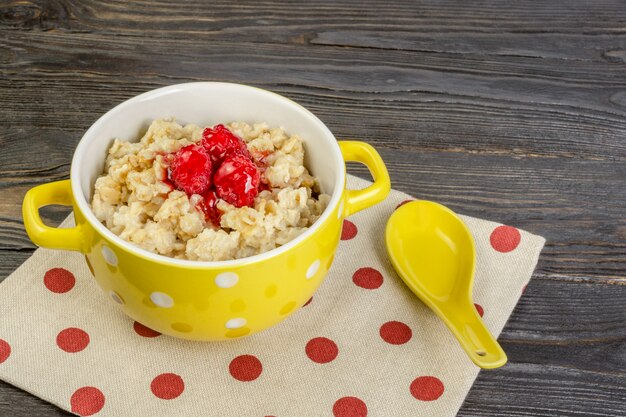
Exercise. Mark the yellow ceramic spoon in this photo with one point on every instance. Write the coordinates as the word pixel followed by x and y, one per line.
pixel 433 252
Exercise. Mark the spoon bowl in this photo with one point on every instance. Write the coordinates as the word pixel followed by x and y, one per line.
pixel 432 250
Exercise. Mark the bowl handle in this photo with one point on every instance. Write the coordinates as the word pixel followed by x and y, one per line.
pixel 59 192
pixel 357 200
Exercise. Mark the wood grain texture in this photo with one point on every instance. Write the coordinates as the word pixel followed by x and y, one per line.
pixel 510 111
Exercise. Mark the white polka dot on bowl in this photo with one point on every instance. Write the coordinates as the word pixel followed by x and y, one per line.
pixel 226 279
pixel 236 323
pixel 109 256
pixel 161 299
pixel 310 273
pixel 116 297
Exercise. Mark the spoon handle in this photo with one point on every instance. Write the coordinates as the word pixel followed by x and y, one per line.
pixel 471 332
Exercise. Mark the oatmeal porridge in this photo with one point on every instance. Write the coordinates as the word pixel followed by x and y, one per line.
pixel 212 194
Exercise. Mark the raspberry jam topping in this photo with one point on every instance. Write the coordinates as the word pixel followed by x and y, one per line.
pixel 167 181
pixel 208 205
pixel 190 169
pixel 221 143
pixel 264 187
pixel 237 180
pixel 259 157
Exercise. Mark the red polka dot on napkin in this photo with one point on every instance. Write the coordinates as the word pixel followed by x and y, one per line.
pixel 349 230
pixel 72 340
pixel 144 331
pixel 505 238
pixel 321 350
pixel 480 309
pixel 5 350
pixel 59 280
pixel 87 401
pixel 167 386
pixel 350 407
pixel 395 332
pixel 245 368
pixel 427 388
pixel 368 278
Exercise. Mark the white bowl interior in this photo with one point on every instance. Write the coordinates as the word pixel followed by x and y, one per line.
pixel 206 104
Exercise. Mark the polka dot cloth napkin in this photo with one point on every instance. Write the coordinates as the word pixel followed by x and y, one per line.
pixel 364 345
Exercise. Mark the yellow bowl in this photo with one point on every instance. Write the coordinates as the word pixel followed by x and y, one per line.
pixel 207 300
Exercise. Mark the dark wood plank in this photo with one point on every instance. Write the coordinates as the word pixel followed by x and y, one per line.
pixel 512 111
pixel 249 20
pixel 565 343
pixel 16 403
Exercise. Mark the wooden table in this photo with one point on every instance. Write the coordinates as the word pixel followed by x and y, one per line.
pixel 510 111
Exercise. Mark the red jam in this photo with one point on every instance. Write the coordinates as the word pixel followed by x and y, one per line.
pixel 263 187
pixel 167 181
pixel 208 205
pixel 259 157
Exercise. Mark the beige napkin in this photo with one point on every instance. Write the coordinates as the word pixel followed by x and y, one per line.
pixel 364 345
